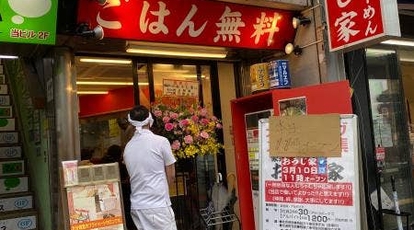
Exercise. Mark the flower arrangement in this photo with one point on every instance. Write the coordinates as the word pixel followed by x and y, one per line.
pixel 191 130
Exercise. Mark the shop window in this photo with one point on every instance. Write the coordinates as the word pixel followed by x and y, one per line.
pixel 389 119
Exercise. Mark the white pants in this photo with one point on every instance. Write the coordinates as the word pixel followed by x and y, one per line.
pixel 154 219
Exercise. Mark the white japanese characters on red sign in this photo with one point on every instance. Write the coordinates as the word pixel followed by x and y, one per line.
pixel 199 22
pixel 352 22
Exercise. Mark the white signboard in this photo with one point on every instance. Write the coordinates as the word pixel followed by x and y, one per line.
pixel 180 88
pixel 320 193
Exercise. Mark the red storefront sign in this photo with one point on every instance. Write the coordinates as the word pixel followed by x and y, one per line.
pixel 351 22
pixel 200 22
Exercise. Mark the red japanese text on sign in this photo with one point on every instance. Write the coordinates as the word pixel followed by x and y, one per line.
pixel 352 22
pixel 309 193
pixel 304 169
pixel 191 22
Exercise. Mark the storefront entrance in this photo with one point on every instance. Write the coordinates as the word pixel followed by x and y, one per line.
pixel 109 87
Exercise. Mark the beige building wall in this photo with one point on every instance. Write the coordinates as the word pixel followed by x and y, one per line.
pixel 316 64
pixel 227 93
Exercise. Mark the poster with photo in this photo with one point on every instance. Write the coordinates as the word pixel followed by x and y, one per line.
pixel 318 193
pixel 95 206
pixel 292 106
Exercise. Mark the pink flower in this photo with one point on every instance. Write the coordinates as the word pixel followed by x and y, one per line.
pixel 175 145
pixel 194 118
pixel 204 134
pixel 173 115
pixel 157 113
pixel 183 123
pixel 188 139
pixel 219 126
pixel 169 126
pixel 204 121
pixel 166 119
pixel 203 112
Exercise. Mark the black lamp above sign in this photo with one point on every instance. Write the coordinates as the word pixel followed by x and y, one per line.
pixel 84 30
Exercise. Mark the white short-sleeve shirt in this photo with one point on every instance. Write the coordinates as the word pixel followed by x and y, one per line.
pixel 146 156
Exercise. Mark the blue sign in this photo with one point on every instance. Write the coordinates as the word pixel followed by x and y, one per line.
pixel 279 74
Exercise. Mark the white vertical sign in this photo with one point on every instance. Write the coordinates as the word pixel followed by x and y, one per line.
pixel 320 193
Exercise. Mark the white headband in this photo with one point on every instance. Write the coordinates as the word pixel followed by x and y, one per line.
pixel 139 124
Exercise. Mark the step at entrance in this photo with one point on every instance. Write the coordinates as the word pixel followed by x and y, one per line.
pixel 23 220
pixel 10 152
pixel 9 137
pixel 4 100
pixel 6 111
pixel 14 184
pixel 12 168
pixel 16 202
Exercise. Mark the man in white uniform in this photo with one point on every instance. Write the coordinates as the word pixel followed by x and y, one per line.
pixel 150 164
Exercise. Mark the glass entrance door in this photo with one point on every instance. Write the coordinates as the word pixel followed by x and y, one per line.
pixel 390 126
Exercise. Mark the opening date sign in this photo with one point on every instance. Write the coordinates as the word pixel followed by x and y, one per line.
pixel 318 193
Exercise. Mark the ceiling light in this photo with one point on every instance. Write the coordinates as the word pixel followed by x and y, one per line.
pixel 106 60
pixel 8 57
pixel 166 71
pixel 407 59
pixel 108 83
pixel 92 92
pixel 103 83
pixel 377 52
pixel 163 49
pixel 189 75
pixel 398 42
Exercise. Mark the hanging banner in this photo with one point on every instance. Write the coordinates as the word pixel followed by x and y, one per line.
pixel 28 21
pixel 311 192
pixel 200 22
pixel 354 23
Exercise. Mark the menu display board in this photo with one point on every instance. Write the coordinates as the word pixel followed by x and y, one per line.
pixel 93 196
pixel 95 206
pixel 311 192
